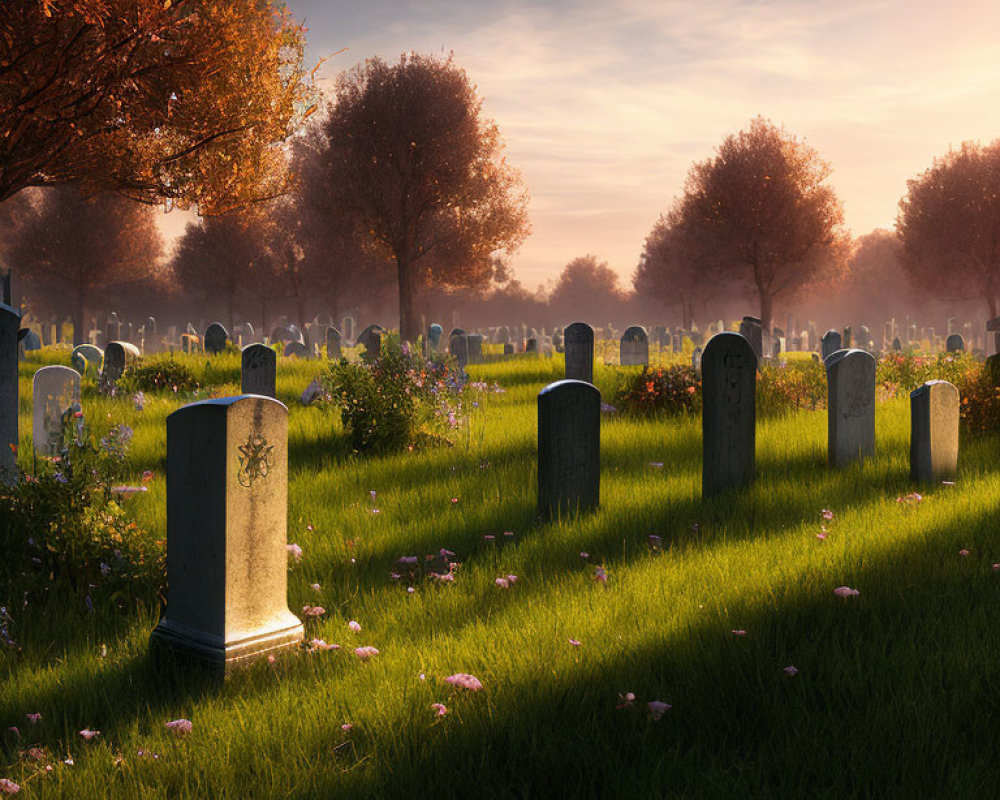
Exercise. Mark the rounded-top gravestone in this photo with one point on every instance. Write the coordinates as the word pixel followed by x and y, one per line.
pixel 87 356
pixel 371 339
pixel 955 344
pixel 752 330
pixel 569 448
pixel 332 342
pixel 434 334
pixel 215 338
pixel 850 406
pixel 934 413
pixel 579 346
pixel 634 347
pixel 831 344
pixel 54 390
pixel 258 370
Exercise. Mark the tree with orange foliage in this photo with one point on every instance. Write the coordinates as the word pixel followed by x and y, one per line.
pixel 407 153
pixel 765 201
pixel 73 251
pixel 183 100
pixel 949 226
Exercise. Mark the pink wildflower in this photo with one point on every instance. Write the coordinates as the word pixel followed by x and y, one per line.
pixel 846 591
pixel 313 611
pixel 88 734
pixel 320 644
pixel 503 583
pixel 600 575
pixel 963 552
pixel 827 514
pixel 454 500
pixel 821 535
pixel 584 556
pixel 347 727
pixel 315 587
pixel 181 727
pixel 294 551
pixel 366 652
pixel 464 681
pixel 658 708
pixel 7 786
pixel 271 659
pixel 625 700
pixel 354 626
pixel 791 671
pixel 147 476
pixel 512 579
pixel 739 632
pixel 574 642
pixel 440 708
pixel 34 718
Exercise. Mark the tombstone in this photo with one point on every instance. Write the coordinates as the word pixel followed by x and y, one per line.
pixel 569 448
pixel 897 345
pixel 371 339
pixel 750 329
pixel 258 370
pixel 10 321
pixel 934 412
pixel 475 345
pixel 296 349
pixel 227 507
pixel 531 346
pixel 776 347
pixel 190 343
pixel 830 344
pixel 728 417
pixel 955 344
pixel 434 333
pixel 458 346
pixel 456 332
pixel 660 335
pixel 54 390
pixel 113 328
pixel 557 341
pixel 150 342
pixel 696 359
pixel 508 349
pixel 86 356
pixel 347 328
pixel 215 338
pixel 846 341
pixel 31 341
pixel 503 335
pixel 332 342
pixel 850 378
pixel 865 341
pixel 634 347
pixel 579 352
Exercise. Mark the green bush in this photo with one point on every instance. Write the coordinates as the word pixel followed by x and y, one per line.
pixel 675 389
pixel 788 386
pixel 158 374
pixel 396 400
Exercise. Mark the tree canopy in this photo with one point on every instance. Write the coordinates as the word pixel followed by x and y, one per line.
pixel 186 100
pixel 585 290
pixel 949 225
pixel 765 201
pixel 408 154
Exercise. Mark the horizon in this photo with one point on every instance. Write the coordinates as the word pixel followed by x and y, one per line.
pixel 604 139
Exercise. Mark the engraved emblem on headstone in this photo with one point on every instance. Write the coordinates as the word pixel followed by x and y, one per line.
pixel 255 457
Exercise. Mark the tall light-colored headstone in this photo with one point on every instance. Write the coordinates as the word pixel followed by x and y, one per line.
pixel 54 390
pixel 227 507
pixel 569 448
pixel 728 417
pixel 259 370
pixel 634 347
pixel 579 339
pixel 934 412
pixel 10 322
pixel 850 378
pixel 215 338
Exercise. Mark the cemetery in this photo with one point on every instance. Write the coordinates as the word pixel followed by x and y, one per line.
pixel 316 610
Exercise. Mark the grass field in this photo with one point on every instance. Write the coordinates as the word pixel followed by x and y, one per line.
pixel 896 693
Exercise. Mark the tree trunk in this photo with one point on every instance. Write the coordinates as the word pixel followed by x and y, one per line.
pixel 991 302
pixel 79 328
pixel 766 310
pixel 407 313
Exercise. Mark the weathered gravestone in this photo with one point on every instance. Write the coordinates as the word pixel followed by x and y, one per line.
pixel 10 321
pixel 751 330
pixel 434 333
pixel 508 349
pixel 846 342
pixel 897 345
pixel 955 343
pixel 371 339
pixel 830 344
pixel 850 378
pixel 934 432
pixel 993 326
pixel 31 341
pixel 215 338
pixel 458 346
pixel 54 391
pixel 569 448
pixel 297 349
pixel 150 341
pixel 258 370
pixel 558 341
pixel 227 506
pixel 117 356
pixel 87 357
pixel 696 356
pixel 634 347
pixel 347 326
pixel 728 417
pixel 531 346
pixel 332 342
pixel 475 345
pixel 113 328
pixel 579 352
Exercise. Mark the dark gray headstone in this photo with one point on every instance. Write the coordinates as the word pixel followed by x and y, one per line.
pixel 531 346
pixel 897 345
pixel 475 344
pixel 54 390
pixel 580 352
pixel 955 343
pixel 850 378
pixel 508 349
pixel 332 342
pixel 297 349
pixel 215 338
pixel 258 370
pixel 569 448
pixel 728 419
pixel 434 333
pixel 831 344
pixel 117 356
pixel 227 509
pixel 31 341
pixel 934 411
pixel 371 340
pixel 10 322
pixel 634 347
pixel 751 330
pixel 458 346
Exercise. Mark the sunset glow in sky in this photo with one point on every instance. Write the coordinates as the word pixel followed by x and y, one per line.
pixel 605 104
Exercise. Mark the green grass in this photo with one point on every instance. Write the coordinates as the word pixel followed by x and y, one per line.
pixel 896 695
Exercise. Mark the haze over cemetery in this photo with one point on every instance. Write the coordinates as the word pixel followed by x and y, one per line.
pixel 525 401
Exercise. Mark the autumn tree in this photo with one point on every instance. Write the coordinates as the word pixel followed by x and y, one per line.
pixel 765 201
pixel 585 290
pixel 678 263
pixel 407 152
pixel 185 99
pixel 73 253
pixel 949 226
pixel 875 285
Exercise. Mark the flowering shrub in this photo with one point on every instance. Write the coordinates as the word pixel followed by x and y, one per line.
pixel 788 386
pixel 64 525
pixel 396 400
pixel 675 389
pixel 159 374
pixel 898 373
pixel 979 399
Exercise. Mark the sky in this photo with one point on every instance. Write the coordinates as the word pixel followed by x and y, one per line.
pixel 604 105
